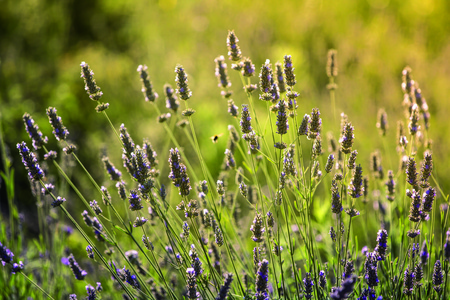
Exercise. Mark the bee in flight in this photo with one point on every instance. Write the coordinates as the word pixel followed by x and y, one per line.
pixel 215 137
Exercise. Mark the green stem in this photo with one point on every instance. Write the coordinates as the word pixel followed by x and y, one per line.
pixel 36 285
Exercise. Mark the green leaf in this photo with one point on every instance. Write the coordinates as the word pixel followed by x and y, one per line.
pixel 121 229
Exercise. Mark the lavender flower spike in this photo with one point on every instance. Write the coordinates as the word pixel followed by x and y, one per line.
pixel 262 278
pixel 30 162
pixel 91 87
pixel 34 132
pixel 225 288
pixel 147 88
pixel 258 228
pixel 77 271
pixel 59 130
pixel 234 52
pixel 181 79
pixel 6 256
pixel 192 285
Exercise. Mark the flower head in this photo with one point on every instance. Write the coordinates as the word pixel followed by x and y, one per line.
pixel 30 162
pixel 221 72
pixel 34 132
pixel 234 52
pixel 181 79
pixel 59 130
pixel 91 87
pixel 147 88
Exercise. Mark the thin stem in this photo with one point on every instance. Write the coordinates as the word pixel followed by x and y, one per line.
pixel 36 285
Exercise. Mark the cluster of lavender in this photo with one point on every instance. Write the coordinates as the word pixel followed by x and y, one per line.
pixel 284 210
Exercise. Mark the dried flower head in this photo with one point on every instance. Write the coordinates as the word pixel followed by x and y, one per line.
pixel 332 70
pixel 382 123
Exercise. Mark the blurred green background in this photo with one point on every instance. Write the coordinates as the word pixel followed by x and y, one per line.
pixel 43 42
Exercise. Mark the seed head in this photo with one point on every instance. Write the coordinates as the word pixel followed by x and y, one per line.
pixel 332 70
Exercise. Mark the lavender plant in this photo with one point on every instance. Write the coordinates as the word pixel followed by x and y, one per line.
pixel 265 235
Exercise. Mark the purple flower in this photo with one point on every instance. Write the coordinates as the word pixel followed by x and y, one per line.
pixel 30 162
pixel 34 132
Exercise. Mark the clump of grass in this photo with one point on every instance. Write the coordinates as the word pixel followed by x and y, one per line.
pixel 292 224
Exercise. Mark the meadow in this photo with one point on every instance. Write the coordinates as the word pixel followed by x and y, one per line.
pixel 316 173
